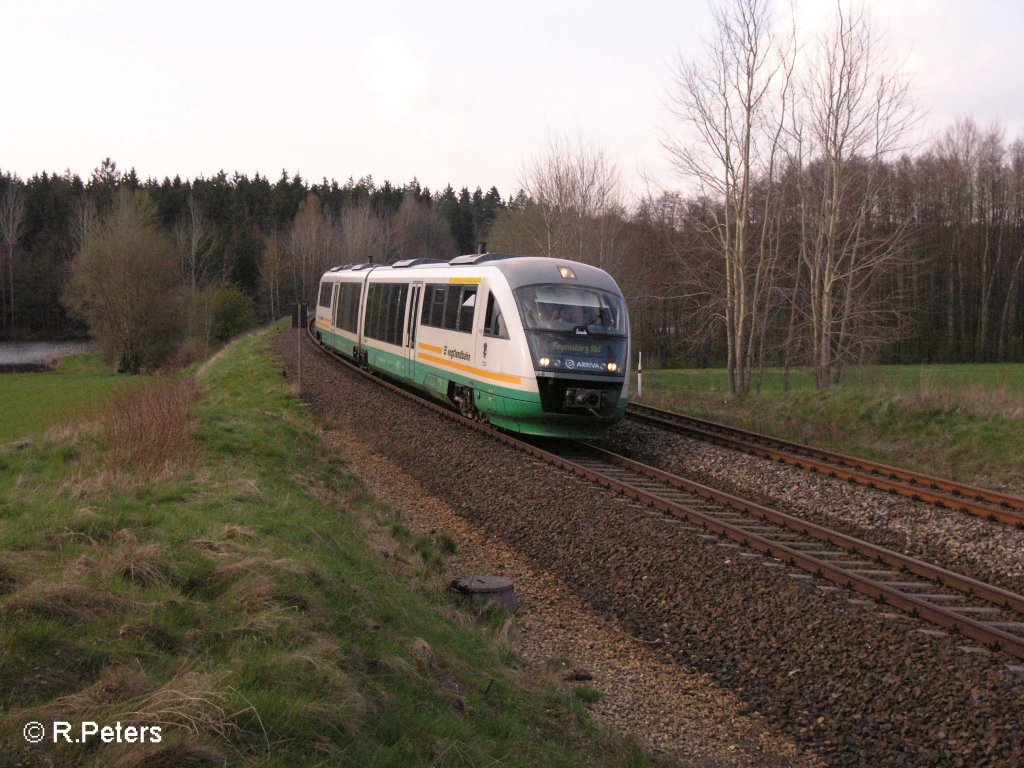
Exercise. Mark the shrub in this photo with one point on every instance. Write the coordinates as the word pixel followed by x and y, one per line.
pixel 232 311
pixel 124 284
pixel 150 427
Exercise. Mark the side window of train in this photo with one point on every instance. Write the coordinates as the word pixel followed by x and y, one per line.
pixel 494 325
pixel 467 309
pixel 346 311
pixel 385 310
pixel 433 305
pixel 325 294
pixel 449 306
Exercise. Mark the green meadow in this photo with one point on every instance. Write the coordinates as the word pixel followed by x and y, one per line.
pixel 960 421
pixel 31 402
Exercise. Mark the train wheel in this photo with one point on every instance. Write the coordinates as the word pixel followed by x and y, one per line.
pixel 463 398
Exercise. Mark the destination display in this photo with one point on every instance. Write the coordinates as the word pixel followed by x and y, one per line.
pixel 554 354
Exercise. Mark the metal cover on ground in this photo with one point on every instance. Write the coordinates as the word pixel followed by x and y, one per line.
pixel 483 584
pixel 487 589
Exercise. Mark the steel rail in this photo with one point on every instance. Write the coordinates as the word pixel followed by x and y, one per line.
pixel 995 595
pixel 991 636
pixel 982 502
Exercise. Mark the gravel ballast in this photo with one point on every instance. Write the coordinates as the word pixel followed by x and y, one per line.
pixel 678 714
pixel 835 675
pixel 982 549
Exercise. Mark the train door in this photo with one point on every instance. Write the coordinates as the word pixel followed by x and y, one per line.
pixel 412 322
pixel 492 340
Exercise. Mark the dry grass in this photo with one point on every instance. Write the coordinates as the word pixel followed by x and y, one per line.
pixel 66 602
pixel 145 565
pixel 115 685
pixel 173 753
pixel 192 701
pixel 15 568
pixel 984 400
pixel 274 569
pixel 426 659
pixel 150 428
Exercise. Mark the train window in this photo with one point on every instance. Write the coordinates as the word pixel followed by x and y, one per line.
pixel 325 294
pixel 371 311
pixel 385 310
pixel 433 307
pixel 449 306
pixel 401 294
pixel 563 308
pixel 467 306
pixel 494 325
pixel 346 313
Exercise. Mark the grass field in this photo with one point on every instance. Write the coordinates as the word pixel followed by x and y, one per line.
pixel 193 558
pixel 31 402
pixel 960 421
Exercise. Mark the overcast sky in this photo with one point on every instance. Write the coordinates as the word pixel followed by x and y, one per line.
pixel 450 92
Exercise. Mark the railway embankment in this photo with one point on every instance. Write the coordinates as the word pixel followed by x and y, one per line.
pixel 192 557
pixel 851 683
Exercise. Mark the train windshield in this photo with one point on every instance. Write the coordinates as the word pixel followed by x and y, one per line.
pixel 571 308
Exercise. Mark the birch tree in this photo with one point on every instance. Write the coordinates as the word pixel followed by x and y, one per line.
pixel 421 231
pixel 574 203
pixel 857 114
pixel 12 223
pixel 731 105
pixel 312 246
pixel 270 273
pixel 124 283
pixel 195 244
pixel 364 236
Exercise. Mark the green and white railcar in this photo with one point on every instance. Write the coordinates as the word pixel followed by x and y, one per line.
pixel 532 345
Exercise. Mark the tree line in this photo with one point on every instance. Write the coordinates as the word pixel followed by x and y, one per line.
pixel 811 233
pixel 189 262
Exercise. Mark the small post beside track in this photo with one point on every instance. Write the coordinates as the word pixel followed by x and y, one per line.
pixel 299 323
pixel 640 374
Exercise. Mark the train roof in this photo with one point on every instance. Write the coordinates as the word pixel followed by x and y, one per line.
pixel 517 270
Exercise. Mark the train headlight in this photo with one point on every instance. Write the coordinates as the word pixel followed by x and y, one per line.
pixel 613 367
pixel 545 362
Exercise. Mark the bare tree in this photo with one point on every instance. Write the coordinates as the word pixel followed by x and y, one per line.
pixel 84 220
pixel 12 223
pixel 732 105
pixel 125 284
pixel 195 244
pixel 574 206
pixel 857 114
pixel 421 231
pixel 270 273
pixel 364 236
pixel 312 245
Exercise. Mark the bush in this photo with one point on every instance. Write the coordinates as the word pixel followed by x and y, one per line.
pixel 124 284
pixel 150 428
pixel 231 311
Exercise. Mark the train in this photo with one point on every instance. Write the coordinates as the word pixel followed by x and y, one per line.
pixel 532 345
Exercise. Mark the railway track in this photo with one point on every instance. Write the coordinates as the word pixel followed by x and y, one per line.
pixel 982 502
pixel 989 615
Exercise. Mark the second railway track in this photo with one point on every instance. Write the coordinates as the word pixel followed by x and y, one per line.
pixel 989 615
pixel 982 502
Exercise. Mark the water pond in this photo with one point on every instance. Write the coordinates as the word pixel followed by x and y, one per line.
pixel 19 353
